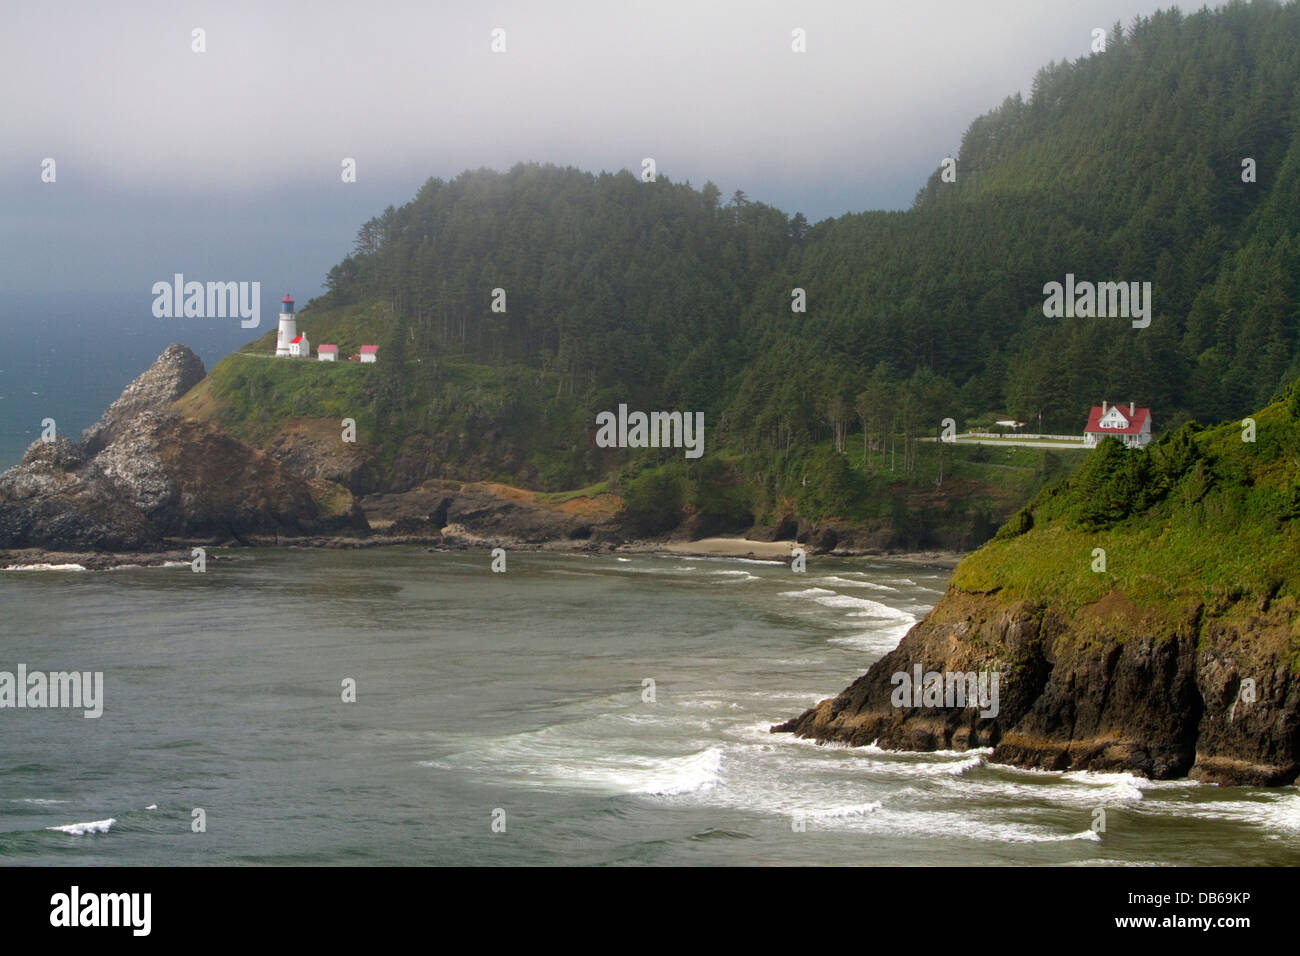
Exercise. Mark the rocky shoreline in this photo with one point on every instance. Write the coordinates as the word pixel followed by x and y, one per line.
pixel 147 482
pixel 1109 690
pixel 37 558
pixel 144 478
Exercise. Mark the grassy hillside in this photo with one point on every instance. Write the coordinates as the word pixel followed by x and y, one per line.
pixel 1201 518
pixel 506 424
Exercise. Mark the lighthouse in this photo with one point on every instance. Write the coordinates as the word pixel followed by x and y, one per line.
pixel 288 328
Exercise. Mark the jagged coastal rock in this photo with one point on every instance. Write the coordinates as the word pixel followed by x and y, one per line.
pixel 1106 691
pixel 492 514
pixel 56 498
pixel 144 474
pixel 171 375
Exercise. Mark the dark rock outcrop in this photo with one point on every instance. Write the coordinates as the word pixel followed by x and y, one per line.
pixel 1108 690
pixel 488 513
pixel 145 474
pixel 311 448
pixel 494 513
pixel 55 498
pixel 171 375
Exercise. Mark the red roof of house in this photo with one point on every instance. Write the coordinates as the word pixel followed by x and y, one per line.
pixel 327 348
pixel 295 341
pixel 1135 421
pixel 369 349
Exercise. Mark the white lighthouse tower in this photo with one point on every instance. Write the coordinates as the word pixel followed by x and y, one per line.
pixel 288 328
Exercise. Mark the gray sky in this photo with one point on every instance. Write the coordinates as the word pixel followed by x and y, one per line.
pixel 225 164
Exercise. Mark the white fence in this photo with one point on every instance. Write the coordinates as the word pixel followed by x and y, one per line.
pixel 1022 436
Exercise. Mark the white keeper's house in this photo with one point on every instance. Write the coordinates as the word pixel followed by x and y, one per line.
pixel 1132 426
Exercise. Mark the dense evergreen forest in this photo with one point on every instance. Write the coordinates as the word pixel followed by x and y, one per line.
pixel 1123 166
pixel 1128 165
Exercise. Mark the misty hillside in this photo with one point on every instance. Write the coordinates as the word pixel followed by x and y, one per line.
pixel 1124 166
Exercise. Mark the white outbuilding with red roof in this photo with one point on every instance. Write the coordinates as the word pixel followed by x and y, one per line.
pixel 1132 426
pixel 327 353
pixel 369 353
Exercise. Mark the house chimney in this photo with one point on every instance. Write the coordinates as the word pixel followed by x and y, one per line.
pixel 1131 410
pixel 1103 408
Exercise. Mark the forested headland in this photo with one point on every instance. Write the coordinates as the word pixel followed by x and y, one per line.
pixel 1173 157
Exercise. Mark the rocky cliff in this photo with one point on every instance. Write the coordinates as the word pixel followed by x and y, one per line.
pixel 1142 617
pixel 1106 691
pixel 145 474
pixel 494 514
pixel 172 374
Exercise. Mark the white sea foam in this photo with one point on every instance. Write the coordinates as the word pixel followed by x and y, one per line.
pixel 45 567
pixel 656 570
pixel 81 829
pixel 807 592
pixel 1032 836
pixel 758 779
pixel 837 581
pixel 960 767
pixel 846 601
pixel 893 820
pixel 898 763
pixel 1274 811
pixel 863 607
pixel 588 754
pixel 1081 835
pixel 1043 791
pixel 708 704
pixel 644 775
pixel 1118 786
pixel 883 639
pixel 682 774
pixel 852 810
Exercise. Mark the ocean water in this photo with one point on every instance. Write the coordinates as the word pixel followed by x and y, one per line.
pixel 68 356
pixel 520 699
